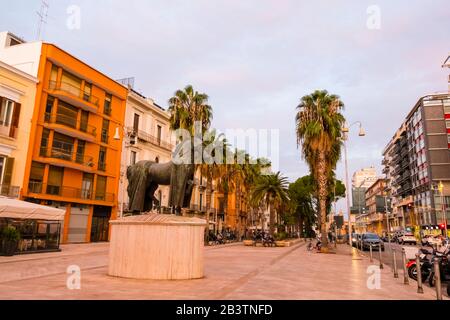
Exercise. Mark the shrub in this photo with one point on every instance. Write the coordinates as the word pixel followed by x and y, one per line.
pixel 280 236
pixel 10 234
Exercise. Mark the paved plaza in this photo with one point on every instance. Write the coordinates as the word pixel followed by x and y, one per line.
pixel 232 271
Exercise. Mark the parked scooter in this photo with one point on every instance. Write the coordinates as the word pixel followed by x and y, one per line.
pixel 426 255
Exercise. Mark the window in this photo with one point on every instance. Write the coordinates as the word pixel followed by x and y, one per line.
pixel 6 111
pixel 87 185
pixel 105 130
pixel 107 106
pixel 447 109
pixel 66 115
pixel 201 202
pixel 84 120
pixel 87 91
pixel 157 159
pixel 133 157
pixel 136 123
pixel 62 146
pixel 36 177
pixel 70 83
pixel 53 76
pixel 44 142
pixel 447 124
pixel 102 159
pixel 158 134
pixel 55 178
pixel 49 108
pixel 80 151
pixel 101 188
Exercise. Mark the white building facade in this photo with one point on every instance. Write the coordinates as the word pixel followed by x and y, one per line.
pixel 147 137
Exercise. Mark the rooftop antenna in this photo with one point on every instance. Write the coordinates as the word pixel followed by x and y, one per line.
pixel 42 14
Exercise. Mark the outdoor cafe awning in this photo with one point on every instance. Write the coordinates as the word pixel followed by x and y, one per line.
pixel 18 209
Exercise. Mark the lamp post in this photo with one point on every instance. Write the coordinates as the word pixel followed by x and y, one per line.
pixel 345 131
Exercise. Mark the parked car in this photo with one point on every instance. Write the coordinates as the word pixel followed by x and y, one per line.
pixel 407 238
pixel 371 239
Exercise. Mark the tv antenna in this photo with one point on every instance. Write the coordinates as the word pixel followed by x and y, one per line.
pixel 43 15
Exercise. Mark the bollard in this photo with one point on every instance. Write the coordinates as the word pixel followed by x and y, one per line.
pixel 405 272
pixel 419 274
pixel 379 252
pixel 395 263
pixel 437 279
pixel 370 249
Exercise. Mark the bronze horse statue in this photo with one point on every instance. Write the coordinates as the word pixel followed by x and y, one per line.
pixel 145 176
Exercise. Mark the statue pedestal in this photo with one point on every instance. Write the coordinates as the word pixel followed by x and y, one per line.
pixel 157 246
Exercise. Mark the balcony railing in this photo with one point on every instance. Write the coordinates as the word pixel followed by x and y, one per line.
pixel 9 191
pixel 68 192
pixel 71 122
pixel 8 130
pixel 73 91
pixel 146 137
pixel 67 155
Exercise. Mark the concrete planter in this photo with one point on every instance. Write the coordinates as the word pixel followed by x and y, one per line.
pixel 157 246
pixel 248 242
pixel 283 243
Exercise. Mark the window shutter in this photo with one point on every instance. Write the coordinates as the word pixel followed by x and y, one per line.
pixel 15 120
pixel 1 106
pixel 8 171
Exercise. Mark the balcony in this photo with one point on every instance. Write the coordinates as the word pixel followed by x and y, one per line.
pixel 72 159
pixel 9 191
pixel 73 95
pixel 148 138
pixel 40 188
pixel 8 130
pixel 376 217
pixel 70 126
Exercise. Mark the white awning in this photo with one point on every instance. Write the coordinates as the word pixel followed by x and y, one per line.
pixel 18 209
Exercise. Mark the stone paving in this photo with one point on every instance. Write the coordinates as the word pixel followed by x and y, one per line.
pixel 231 272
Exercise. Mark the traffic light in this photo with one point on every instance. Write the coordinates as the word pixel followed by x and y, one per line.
pixel 442 226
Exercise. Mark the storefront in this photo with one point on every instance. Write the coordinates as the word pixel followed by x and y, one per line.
pixel 39 227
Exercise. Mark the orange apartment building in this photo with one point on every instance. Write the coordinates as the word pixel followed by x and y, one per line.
pixel 73 162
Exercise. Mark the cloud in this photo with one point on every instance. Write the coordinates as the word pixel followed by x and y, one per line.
pixel 256 58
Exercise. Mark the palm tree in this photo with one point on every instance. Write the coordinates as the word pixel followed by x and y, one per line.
pixel 271 189
pixel 318 125
pixel 188 106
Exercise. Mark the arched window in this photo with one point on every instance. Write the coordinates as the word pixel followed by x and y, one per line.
pixel 157 159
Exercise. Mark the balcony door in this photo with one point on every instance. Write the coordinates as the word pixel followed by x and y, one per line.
pixel 87 185
pixel 55 179
pixel 100 223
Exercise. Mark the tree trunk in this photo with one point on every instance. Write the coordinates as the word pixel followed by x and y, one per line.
pixel 322 195
pixel 271 220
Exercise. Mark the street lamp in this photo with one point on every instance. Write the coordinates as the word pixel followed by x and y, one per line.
pixel 362 133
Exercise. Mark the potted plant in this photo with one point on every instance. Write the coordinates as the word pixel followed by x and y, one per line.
pixel 10 237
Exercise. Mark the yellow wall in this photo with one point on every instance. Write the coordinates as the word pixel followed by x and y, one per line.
pixel 25 86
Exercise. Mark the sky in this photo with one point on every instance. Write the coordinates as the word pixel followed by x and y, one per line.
pixel 257 58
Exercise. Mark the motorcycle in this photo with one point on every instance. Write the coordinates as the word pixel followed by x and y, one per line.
pixel 268 240
pixel 426 256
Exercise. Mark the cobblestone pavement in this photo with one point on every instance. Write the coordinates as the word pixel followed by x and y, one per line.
pixel 232 271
